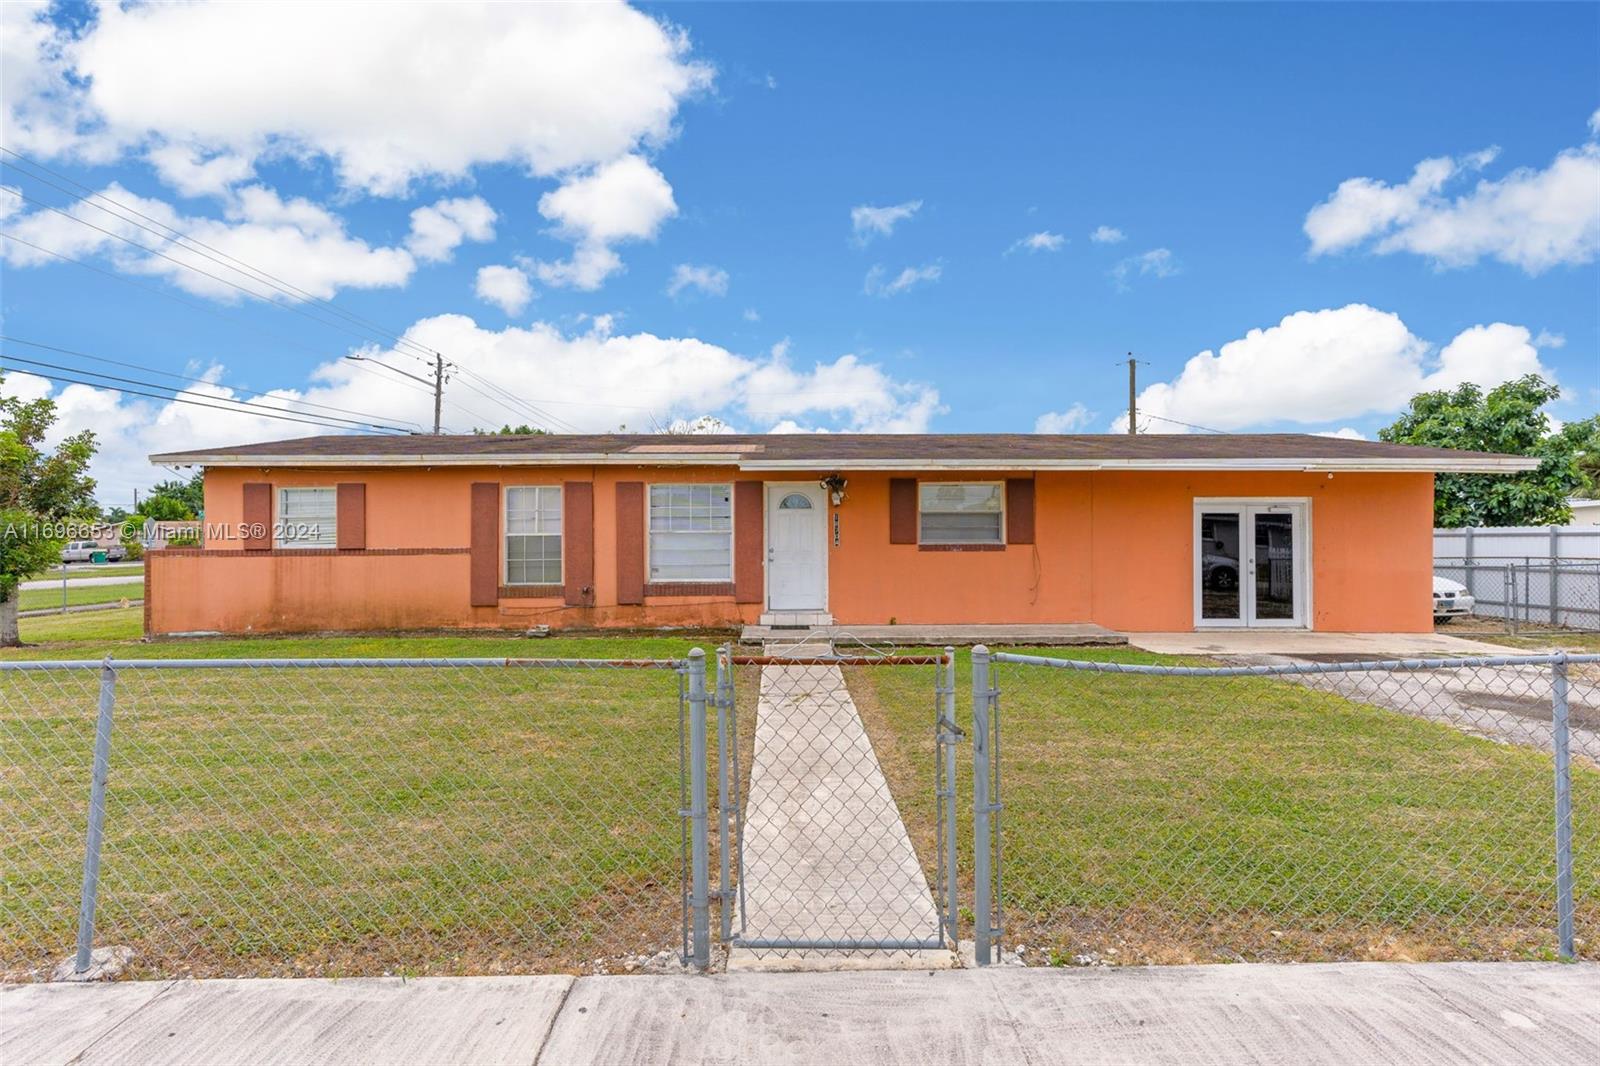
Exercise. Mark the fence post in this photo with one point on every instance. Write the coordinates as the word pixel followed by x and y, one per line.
pixel 982 807
pixel 97 818
pixel 1554 573
pixel 1511 598
pixel 699 862
pixel 950 732
pixel 1563 759
pixel 724 691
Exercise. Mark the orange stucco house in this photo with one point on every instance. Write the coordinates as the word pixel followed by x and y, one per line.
pixel 1135 533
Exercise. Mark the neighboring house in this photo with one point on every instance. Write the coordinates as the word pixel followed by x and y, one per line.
pixel 1584 512
pixel 1136 533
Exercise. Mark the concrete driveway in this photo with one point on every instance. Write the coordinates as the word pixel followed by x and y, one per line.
pixel 1298 642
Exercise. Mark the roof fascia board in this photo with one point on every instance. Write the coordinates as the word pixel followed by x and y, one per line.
pixel 1504 465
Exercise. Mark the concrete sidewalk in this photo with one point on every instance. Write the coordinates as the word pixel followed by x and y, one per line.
pixel 1335 1013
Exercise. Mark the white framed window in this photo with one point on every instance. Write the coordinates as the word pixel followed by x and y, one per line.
pixel 533 535
pixel 961 512
pixel 307 518
pixel 691 532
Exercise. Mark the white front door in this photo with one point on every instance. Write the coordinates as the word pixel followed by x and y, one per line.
pixel 797 574
pixel 1250 563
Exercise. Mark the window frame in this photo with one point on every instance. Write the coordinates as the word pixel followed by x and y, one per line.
pixel 506 534
pixel 998 542
pixel 281 522
pixel 650 532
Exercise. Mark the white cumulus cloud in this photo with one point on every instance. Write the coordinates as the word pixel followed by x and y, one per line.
pixel 1073 420
pixel 878 283
pixel 1107 235
pixel 594 380
pixel 1156 263
pixel 868 221
pixel 437 231
pixel 506 287
pixel 1530 218
pixel 1328 366
pixel 420 91
pixel 1043 241
pixel 623 200
pixel 294 240
pixel 706 279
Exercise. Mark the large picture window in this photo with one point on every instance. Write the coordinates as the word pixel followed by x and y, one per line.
pixel 533 535
pixel 691 533
pixel 961 512
pixel 307 518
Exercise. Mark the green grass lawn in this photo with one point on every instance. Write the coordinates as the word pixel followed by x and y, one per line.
pixel 44 599
pixel 1203 820
pixel 119 633
pixel 104 570
pixel 349 821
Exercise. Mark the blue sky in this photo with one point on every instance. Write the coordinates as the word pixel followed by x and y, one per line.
pixel 589 156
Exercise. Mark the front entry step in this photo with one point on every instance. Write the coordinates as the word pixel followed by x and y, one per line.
pixel 795 619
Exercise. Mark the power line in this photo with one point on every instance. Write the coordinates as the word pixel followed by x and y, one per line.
pixel 190 266
pixel 513 401
pixel 170 295
pixel 366 419
pixel 255 412
pixel 1186 425
pixel 326 421
pixel 200 247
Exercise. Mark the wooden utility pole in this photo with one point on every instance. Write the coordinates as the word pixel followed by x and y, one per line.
pixel 1133 395
pixel 438 389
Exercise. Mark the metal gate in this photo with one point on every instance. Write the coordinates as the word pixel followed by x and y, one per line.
pixel 835 802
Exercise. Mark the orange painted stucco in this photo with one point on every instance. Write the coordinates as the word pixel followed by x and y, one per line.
pixel 1115 548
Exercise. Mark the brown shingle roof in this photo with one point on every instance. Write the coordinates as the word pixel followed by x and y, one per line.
pixel 860 451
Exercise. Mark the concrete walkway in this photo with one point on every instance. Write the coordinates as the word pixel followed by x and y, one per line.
pixel 1338 1013
pixel 826 854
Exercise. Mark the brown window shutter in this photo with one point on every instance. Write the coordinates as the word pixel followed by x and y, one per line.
pixel 747 525
pixel 351 510
pixel 257 516
pixel 1019 510
pixel 485 566
pixel 630 542
pixel 902 510
pixel 577 541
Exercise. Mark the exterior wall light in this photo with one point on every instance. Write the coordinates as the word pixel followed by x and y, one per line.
pixel 834 484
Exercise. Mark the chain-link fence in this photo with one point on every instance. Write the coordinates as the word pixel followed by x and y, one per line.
pixel 1524 595
pixel 343 817
pixel 843 821
pixel 1419 810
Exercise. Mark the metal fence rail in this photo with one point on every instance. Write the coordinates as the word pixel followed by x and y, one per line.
pixel 1404 810
pixel 345 816
pixel 1519 593
pixel 841 807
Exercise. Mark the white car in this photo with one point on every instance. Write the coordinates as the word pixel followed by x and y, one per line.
pixel 1450 599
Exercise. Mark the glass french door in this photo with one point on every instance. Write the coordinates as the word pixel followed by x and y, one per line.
pixel 1250 564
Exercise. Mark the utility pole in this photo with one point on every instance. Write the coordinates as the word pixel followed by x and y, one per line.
pixel 1133 395
pixel 438 389
pixel 437 382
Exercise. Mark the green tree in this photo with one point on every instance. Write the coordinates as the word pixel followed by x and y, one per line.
pixel 163 509
pixel 1509 419
pixel 189 496
pixel 508 430
pixel 40 491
